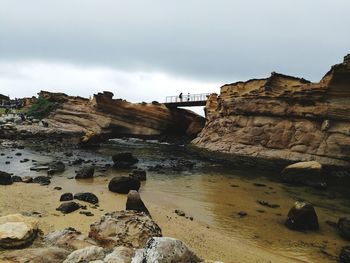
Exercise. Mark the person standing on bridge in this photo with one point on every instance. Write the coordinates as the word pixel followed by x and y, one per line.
pixel 180 96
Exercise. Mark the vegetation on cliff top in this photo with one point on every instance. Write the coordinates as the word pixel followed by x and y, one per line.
pixel 42 108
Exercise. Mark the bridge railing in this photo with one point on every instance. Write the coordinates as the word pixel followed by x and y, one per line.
pixel 187 98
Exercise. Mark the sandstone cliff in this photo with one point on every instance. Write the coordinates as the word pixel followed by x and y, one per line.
pixel 282 118
pixel 103 116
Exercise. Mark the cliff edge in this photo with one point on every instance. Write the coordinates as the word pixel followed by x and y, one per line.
pixel 282 118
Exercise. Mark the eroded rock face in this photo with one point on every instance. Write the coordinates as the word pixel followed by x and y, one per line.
pixel 282 118
pixel 134 202
pixel 86 254
pixel 120 255
pixel 165 250
pixel 35 255
pixel 124 228
pixel 302 216
pixel 17 231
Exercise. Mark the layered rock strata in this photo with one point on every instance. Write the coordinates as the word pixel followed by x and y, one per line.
pixel 282 118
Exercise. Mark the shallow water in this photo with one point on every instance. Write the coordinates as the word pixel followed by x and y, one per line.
pixel 214 194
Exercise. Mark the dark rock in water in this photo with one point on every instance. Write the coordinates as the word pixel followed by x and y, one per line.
pixel 42 180
pixel 344 227
pixel 66 197
pixel 68 154
pixel 259 185
pixel 267 204
pixel 124 160
pixel 69 207
pixel 85 172
pixel 305 173
pixel 242 214
pixel 58 188
pixel 7 162
pixel 123 184
pixel 77 161
pixel 134 202
pixel 87 213
pixel 27 179
pixel 302 216
pixel 180 212
pixel 138 174
pixel 344 256
pixel 87 197
pixel 39 168
pixel 56 167
pixel 5 178
pixel 16 179
pixel 24 160
pixel 18 154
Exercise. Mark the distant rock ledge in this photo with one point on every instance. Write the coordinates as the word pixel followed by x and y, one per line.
pixel 282 118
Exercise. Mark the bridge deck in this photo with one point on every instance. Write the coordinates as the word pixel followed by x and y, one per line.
pixel 190 100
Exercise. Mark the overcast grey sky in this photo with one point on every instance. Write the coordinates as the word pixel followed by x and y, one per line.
pixel 147 49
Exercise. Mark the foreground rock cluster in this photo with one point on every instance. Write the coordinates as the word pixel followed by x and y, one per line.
pixel 282 118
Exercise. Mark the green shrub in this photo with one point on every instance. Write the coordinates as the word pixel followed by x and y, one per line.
pixel 41 108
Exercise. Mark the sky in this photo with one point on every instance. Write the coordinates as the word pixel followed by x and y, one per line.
pixel 145 50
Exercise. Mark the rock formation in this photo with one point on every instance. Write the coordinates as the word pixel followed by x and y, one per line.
pixel 282 118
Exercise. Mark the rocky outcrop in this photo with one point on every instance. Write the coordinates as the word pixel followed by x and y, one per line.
pixel 104 117
pixel 17 231
pixel 126 228
pixel 302 216
pixel 35 255
pixel 282 118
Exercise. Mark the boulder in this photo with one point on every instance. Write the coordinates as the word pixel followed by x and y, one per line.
pixel 86 197
pixel 5 178
pixel 42 180
pixel 16 179
pixel 165 250
pixel 56 167
pixel 344 227
pixel 17 231
pixel 138 174
pixel 134 202
pixel 344 256
pixel 124 160
pixel 124 228
pixel 86 254
pixel 66 197
pixel 68 238
pixel 68 207
pixel 123 184
pixel 35 255
pixel 120 255
pixel 85 172
pixel 304 173
pixel 302 216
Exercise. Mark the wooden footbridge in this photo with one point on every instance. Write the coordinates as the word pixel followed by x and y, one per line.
pixel 189 100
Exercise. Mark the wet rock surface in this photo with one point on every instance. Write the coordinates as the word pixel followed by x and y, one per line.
pixel 123 184
pixel 138 174
pixel 124 160
pixel 86 197
pixel 5 178
pixel 68 207
pixel 128 228
pixel 344 227
pixel 66 197
pixel 85 172
pixel 344 256
pixel 56 167
pixel 302 216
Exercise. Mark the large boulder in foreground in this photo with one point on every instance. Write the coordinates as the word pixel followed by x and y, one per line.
pixel 124 160
pixel 124 228
pixel 123 184
pixel 134 202
pixel 5 178
pixel 303 173
pixel 35 255
pixel 165 250
pixel 17 231
pixel 302 216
